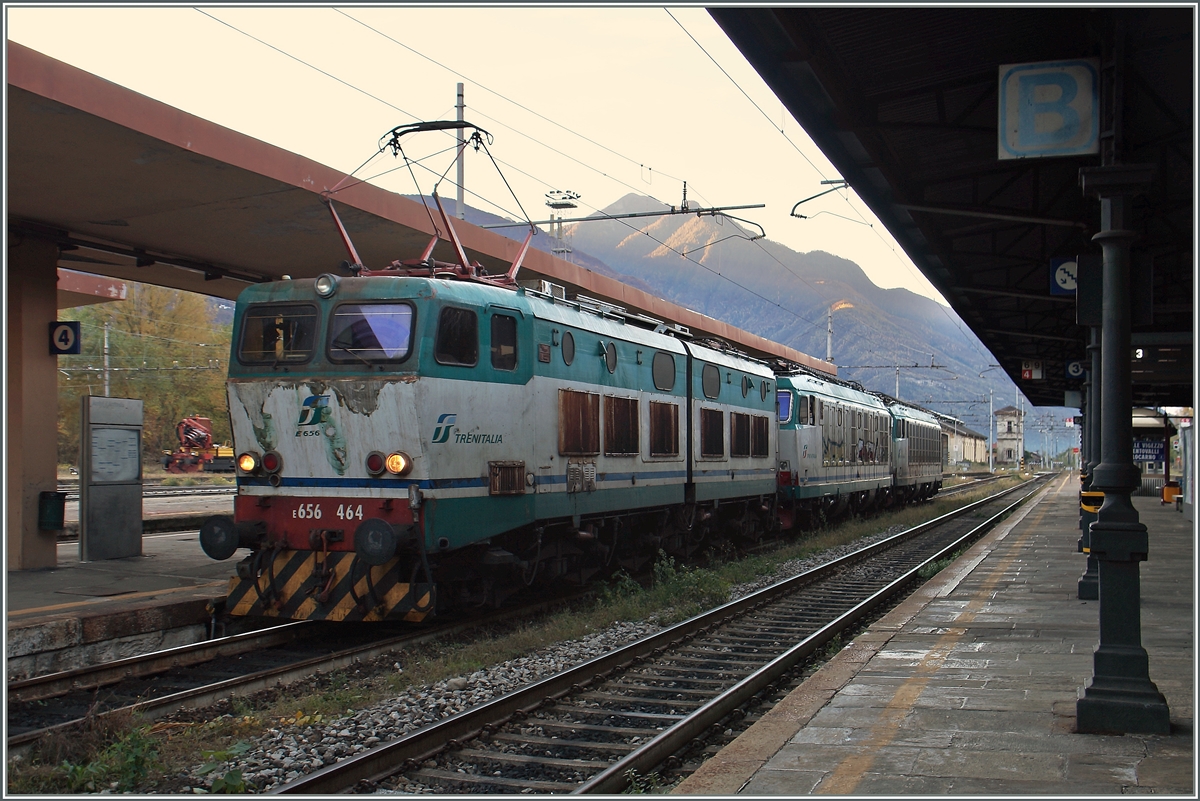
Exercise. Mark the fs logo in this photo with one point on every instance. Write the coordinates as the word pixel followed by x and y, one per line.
pixel 442 432
pixel 315 411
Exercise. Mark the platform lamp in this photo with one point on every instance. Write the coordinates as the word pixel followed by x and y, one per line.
pixel 991 414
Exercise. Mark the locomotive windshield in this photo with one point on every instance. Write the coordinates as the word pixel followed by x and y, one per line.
pixel 372 332
pixel 278 334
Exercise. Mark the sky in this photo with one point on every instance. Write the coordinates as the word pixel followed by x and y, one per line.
pixel 598 101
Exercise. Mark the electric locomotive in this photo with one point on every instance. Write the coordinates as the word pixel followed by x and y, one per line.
pixel 408 441
pixel 427 436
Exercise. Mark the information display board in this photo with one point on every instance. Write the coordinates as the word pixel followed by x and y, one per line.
pixel 110 478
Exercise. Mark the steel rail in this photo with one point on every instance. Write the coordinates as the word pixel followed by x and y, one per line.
pixel 283 674
pixel 49 685
pixel 408 751
pixel 643 759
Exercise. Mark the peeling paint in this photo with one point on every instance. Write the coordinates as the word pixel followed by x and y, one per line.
pixel 360 397
pixel 253 398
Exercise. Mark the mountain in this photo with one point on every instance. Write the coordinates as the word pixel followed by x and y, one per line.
pixel 711 265
pixel 541 241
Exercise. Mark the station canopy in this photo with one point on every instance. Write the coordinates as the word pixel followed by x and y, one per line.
pixel 906 104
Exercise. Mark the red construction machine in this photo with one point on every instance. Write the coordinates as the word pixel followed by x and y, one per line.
pixel 196 451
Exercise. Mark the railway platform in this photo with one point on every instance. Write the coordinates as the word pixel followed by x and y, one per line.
pixel 79 613
pixel 969 686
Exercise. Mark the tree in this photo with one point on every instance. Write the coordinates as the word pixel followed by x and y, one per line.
pixel 165 348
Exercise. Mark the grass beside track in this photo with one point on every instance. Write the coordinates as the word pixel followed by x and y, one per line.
pixel 127 754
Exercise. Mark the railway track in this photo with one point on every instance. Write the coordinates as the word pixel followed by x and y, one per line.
pixel 159 491
pixel 197 675
pixel 655 702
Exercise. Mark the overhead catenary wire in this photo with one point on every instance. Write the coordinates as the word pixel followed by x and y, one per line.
pixel 518 104
pixel 905 263
pixel 523 172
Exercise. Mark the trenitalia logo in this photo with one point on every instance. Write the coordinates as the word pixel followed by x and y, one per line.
pixel 315 411
pixel 442 432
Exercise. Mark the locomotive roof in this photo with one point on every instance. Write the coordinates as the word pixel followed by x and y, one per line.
pixel 913 413
pixel 807 383
pixel 566 312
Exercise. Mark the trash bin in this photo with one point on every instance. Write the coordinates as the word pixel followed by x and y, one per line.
pixel 1169 491
pixel 52 511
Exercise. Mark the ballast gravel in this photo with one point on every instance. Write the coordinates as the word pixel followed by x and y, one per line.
pixel 283 754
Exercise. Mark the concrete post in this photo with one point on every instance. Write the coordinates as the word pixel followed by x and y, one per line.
pixel 31 424
pixel 1121 697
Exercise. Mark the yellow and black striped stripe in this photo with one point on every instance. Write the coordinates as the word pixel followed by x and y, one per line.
pixel 289 583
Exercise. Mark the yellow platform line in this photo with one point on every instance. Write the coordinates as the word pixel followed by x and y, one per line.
pixel 123 597
pixel 849 773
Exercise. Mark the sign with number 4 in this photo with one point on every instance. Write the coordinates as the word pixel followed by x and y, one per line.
pixel 64 338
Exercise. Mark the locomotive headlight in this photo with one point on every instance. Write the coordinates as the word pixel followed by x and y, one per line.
pixel 325 285
pixel 272 462
pixel 398 463
pixel 248 462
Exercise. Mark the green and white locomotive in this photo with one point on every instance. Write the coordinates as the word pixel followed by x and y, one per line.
pixel 427 436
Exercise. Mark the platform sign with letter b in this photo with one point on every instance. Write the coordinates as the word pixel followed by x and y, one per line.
pixel 1049 108
pixel 64 338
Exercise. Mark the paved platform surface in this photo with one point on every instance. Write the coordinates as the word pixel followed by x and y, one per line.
pixel 969 686
pixel 169 564
pixel 80 613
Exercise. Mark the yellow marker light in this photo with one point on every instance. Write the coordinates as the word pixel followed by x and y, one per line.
pixel 398 463
pixel 247 463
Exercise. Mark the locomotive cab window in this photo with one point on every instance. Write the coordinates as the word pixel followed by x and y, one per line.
pixel 504 342
pixel 783 405
pixel 278 334
pixel 457 337
pixel 371 332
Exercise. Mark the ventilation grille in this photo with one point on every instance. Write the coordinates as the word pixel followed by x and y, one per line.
pixel 506 478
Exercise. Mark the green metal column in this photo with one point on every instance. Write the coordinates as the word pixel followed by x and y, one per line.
pixel 1121 696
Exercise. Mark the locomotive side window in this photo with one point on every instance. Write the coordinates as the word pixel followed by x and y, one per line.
pixel 504 342
pixel 760 436
pixel 783 405
pixel 766 390
pixel 747 385
pixel 278 334
pixel 620 426
pixel 739 434
pixel 578 423
pixel 457 337
pixel 373 332
pixel 568 348
pixel 712 432
pixel 663 371
pixel 710 381
pixel 664 429
pixel 610 357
